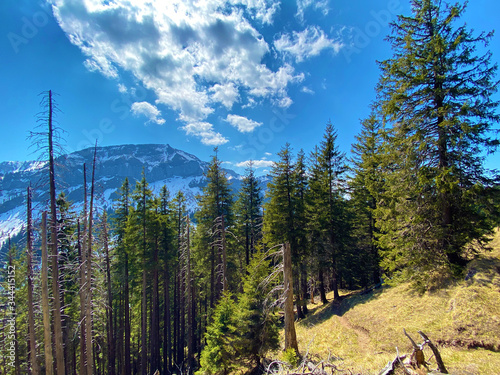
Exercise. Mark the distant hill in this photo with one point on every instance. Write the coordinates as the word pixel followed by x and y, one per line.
pixel 162 164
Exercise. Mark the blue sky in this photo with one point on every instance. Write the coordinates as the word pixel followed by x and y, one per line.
pixel 245 75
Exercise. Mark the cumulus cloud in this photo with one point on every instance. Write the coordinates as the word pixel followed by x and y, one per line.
pixel 243 124
pixel 306 44
pixel 205 131
pixel 226 94
pixel 148 110
pixel 194 56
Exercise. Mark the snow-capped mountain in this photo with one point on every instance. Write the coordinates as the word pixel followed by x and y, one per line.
pixel 162 165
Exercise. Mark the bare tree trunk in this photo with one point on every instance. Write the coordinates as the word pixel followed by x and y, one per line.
pixel 290 335
pixel 81 260
pixel 322 291
pixel 167 353
pixel 224 256
pixel 212 276
pixel 17 365
pixel 144 312
pixel 128 369
pixel 190 363
pixel 155 314
pixel 109 309
pixel 144 323
pixel 176 314
pixel 303 287
pixel 182 326
pixel 33 362
pixel 88 284
pixel 47 333
pixel 59 345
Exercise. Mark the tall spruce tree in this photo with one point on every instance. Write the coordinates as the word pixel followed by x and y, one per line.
pixel 365 186
pixel 326 204
pixel 248 213
pixel 283 219
pixel 139 235
pixel 122 211
pixel 214 217
pixel 436 92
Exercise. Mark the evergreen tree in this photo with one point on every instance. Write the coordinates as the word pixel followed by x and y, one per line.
pixel 283 213
pixel 138 236
pixel 214 218
pixel 366 186
pixel 121 214
pixel 436 92
pixel 327 204
pixel 256 324
pixel 168 256
pixel 218 355
pixel 302 252
pixel 68 264
pixel 248 212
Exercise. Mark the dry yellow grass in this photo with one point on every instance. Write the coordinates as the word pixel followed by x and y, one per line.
pixel 362 332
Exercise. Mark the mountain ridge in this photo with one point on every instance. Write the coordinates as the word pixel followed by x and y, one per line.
pixel 162 165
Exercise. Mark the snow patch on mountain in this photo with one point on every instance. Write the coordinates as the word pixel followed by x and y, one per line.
pixel 161 163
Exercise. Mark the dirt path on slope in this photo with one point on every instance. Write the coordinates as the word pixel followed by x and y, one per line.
pixel 363 335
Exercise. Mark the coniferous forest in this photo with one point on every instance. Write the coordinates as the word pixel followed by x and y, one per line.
pixel 149 288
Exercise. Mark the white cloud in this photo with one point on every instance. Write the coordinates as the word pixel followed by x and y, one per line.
pixel 148 110
pixel 226 94
pixel 306 44
pixel 191 55
pixel 256 163
pixel 205 131
pixel 122 88
pixel 302 5
pixel 243 124
pixel 307 90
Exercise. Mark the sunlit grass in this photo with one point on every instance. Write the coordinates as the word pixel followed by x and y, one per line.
pixel 361 334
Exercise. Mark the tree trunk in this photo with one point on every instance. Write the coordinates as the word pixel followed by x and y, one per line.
pixel 224 256
pixel 290 335
pixel 47 334
pixel 81 259
pixel 109 309
pixel 144 309
pixel 167 352
pixel 128 369
pixel 155 315
pixel 33 362
pixel 57 319
pixel 322 291
pixel 190 363
pixel 88 279
pixel 303 285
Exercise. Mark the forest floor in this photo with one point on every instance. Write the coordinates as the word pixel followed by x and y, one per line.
pixel 360 332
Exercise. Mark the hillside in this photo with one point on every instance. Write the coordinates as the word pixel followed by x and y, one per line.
pixel 360 333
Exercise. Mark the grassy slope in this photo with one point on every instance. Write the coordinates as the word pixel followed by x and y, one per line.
pixel 361 332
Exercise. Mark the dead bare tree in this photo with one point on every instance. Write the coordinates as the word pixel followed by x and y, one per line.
pixel 33 362
pixel 284 291
pixel 47 334
pixel 48 140
pixel 88 283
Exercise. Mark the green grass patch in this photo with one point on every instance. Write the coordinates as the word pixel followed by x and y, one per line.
pixel 360 333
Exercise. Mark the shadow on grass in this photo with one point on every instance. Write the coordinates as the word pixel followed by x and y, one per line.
pixel 339 307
